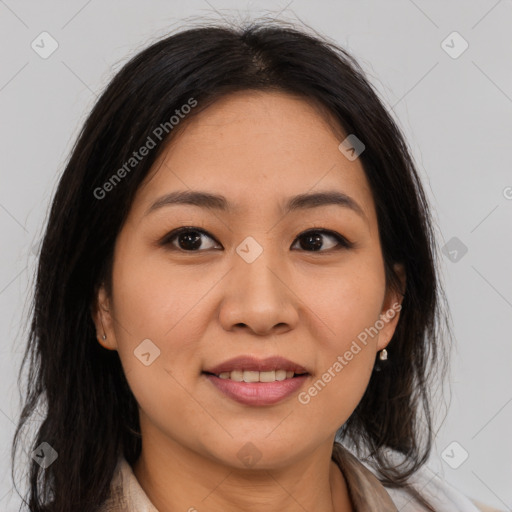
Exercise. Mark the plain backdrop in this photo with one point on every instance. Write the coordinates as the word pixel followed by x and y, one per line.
pixel 451 94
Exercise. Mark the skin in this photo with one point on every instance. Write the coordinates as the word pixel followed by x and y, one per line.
pixel 204 307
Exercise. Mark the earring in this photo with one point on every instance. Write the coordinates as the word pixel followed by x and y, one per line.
pixel 383 354
pixel 104 337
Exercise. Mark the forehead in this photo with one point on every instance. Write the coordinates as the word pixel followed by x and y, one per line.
pixel 257 148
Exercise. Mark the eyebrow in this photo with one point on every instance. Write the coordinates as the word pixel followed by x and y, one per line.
pixel 294 203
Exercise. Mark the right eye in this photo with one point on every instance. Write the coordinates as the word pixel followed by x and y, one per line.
pixel 187 238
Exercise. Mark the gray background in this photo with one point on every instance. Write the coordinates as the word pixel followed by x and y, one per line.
pixel 456 114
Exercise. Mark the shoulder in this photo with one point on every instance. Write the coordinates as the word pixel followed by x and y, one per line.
pixel 439 492
pixel 441 495
pixel 428 483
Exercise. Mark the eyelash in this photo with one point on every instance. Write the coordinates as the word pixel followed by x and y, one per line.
pixel 343 243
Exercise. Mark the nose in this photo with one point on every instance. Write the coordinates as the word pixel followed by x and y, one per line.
pixel 259 296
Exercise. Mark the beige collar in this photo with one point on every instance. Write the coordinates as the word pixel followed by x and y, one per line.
pixel 366 492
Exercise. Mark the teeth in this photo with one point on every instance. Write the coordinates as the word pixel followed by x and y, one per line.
pixel 252 376
pixel 267 376
pixel 281 374
pixel 237 375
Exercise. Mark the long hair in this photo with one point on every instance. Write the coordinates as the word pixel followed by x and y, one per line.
pixel 89 414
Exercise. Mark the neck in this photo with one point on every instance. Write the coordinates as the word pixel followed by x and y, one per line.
pixel 176 478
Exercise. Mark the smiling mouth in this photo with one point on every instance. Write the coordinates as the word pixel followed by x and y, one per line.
pixel 255 376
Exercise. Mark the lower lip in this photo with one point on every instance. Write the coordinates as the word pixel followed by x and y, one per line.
pixel 258 393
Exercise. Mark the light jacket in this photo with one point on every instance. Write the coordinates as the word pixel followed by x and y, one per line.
pixel 366 492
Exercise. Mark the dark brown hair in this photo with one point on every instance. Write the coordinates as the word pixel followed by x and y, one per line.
pixel 90 415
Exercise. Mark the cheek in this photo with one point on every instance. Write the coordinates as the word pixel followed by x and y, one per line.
pixel 155 342
pixel 346 351
pixel 160 303
pixel 154 298
pixel 346 301
pixel 345 313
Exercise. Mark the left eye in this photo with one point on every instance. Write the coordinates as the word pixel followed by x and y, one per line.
pixel 314 237
pixel 188 239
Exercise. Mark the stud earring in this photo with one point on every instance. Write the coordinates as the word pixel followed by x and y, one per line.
pixel 104 337
pixel 383 355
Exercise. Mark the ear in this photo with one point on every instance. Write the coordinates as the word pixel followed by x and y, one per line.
pixel 391 309
pixel 104 320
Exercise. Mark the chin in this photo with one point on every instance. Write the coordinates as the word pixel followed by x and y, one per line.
pixel 257 452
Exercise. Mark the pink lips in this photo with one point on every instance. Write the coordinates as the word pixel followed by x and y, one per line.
pixel 257 393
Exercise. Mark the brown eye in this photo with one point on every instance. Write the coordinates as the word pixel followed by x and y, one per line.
pixel 314 240
pixel 188 239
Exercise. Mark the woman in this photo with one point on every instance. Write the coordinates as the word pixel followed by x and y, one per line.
pixel 237 305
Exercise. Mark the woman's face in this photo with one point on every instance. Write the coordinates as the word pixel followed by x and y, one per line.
pixel 248 281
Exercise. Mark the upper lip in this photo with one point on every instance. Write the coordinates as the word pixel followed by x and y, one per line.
pixel 251 363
